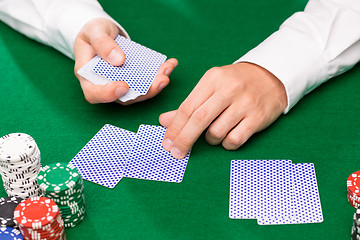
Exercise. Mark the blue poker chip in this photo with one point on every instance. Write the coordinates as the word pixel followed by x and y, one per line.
pixel 8 233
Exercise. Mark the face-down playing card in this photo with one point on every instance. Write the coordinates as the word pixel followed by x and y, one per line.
pixel 307 205
pixel 150 161
pixel 245 189
pixel 138 71
pixel 277 193
pixel 103 158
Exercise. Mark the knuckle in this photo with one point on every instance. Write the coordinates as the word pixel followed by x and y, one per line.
pixel 200 115
pixel 182 142
pixel 215 71
pixel 186 108
pixel 250 100
pixel 89 98
pixel 234 142
pixel 216 133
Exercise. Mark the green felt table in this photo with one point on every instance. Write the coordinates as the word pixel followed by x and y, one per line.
pixel 41 96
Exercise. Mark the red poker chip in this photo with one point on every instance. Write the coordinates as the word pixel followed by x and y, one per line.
pixel 36 212
pixel 353 182
pixel 353 203
pixel 40 218
pixel 354 197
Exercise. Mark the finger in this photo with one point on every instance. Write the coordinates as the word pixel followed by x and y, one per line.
pixel 218 130
pixel 166 118
pixel 202 92
pixel 197 123
pixel 167 67
pixel 161 79
pixel 160 82
pixel 241 133
pixel 106 47
pixel 103 93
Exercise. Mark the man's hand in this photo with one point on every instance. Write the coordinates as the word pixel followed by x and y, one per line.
pixel 233 102
pixel 97 38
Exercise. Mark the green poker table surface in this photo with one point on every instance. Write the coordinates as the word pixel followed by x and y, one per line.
pixel 40 96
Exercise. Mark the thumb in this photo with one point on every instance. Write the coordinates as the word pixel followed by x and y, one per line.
pixel 106 47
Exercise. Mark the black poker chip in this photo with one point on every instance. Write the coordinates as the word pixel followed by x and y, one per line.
pixel 7 207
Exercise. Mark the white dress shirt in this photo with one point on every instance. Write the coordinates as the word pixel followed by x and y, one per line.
pixel 310 47
pixel 53 22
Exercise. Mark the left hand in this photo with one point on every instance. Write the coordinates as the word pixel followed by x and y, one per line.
pixel 97 38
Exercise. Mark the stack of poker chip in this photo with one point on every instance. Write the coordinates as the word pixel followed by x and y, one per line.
pixel 63 184
pixel 353 189
pixel 9 233
pixel 7 208
pixel 19 165
pixel 40 218
pixel 355 230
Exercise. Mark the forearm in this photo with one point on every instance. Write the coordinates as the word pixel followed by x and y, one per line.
pixel 311 46
pixel 55 23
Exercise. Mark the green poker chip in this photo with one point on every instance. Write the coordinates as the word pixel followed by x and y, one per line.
pixel 62 183
pixel 57 177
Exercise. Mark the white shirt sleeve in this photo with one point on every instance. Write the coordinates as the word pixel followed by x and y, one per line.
pixel 53 22
pixel 311 46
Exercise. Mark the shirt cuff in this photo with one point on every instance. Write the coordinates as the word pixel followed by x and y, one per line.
pixel 63 28
pixel 282 54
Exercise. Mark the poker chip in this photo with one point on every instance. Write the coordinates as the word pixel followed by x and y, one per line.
pixel 9 233
pixel 40 218
pixel 7 207
pixel 353 189
pixel 20 165
pixel 62 183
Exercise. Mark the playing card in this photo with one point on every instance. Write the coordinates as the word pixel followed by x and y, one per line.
pixel 150 160
pixel 138 71
pixel 103 158
pixel 274 192
pixel 276 200
pixel 245 190
pixel 307 205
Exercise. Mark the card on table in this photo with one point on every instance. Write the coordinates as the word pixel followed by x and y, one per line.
pixel 104 157
pixel 245 189
pixel 150 161
pixel 274 192
pixel 276 202
pixel 307 205
pixel 138 71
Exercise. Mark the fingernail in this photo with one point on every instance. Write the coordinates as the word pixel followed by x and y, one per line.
pixel 162 85
pixel 176 153
pixel 167 144
pixel 120 91
pixel 115 57
pixel 168 71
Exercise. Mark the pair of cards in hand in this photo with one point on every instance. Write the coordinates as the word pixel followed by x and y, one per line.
pixel 274 192
pixel 114 153
pixel 138 71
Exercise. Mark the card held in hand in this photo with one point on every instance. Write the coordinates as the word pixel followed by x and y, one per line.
pixel 138 71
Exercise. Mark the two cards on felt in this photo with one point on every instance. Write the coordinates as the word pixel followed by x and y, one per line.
pixel 114 153
pixel 274 192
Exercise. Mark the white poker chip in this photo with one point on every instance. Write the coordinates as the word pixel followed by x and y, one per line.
pixel 15 147
pixel 19 165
